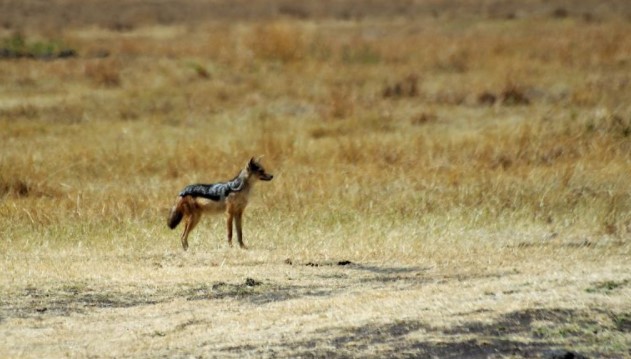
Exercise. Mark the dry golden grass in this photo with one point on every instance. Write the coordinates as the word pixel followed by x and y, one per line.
pixel 485 213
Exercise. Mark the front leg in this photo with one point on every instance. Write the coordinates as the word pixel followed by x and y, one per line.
pixel 239 217
pixel 229 217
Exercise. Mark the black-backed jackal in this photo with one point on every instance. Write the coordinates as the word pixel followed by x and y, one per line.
pixel 230 197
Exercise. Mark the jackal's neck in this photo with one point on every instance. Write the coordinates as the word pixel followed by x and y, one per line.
pixel 242 182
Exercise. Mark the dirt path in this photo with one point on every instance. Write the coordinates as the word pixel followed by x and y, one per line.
pixel 326 309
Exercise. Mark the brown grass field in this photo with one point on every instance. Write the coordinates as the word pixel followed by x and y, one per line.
pixel 452 178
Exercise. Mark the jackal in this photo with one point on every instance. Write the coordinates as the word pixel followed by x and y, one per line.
pixel 230 196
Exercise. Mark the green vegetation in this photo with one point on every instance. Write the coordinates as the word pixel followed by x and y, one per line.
pixel 16 46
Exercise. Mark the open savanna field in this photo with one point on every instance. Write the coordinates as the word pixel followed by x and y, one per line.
pixel 452 179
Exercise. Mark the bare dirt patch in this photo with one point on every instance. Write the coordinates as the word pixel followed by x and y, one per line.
pixel 329 310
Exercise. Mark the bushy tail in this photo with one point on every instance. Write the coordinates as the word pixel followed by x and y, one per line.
pixel 175 217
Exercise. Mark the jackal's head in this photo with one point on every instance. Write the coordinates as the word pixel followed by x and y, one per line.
pixel 255 169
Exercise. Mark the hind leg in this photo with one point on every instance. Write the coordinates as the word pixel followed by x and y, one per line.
pixel 187 229
pixel 191 222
